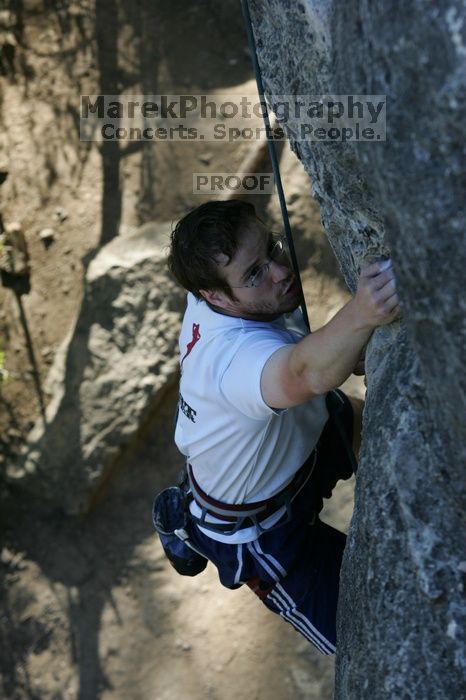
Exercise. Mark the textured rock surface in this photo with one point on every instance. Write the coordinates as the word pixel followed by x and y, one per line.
pixel 402 605
pixel 111 371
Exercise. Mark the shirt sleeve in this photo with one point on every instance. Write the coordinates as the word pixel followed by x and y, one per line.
pixel 241 381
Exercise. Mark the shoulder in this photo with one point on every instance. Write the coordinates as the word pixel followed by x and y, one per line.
pixel 248 355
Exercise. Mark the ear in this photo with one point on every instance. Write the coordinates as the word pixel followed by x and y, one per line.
pixel 214 297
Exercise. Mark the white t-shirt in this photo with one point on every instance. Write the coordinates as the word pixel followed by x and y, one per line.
pixel 240 449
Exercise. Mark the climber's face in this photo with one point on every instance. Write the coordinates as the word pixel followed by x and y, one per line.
pixel 260 277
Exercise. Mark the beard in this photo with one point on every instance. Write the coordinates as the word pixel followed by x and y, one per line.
pixel 265 310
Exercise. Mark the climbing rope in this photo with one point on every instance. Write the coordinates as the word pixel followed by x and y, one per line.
pixel 335 412
pixel 273 153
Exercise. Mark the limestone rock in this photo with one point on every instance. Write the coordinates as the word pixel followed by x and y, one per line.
pixel 15 271
pixel 47 236
pixel 4 170
pixel 402 606
pixel 60 214
pixel 14 255
pixel 110 372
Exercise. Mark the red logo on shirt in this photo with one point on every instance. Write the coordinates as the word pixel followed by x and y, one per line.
pixel 192 343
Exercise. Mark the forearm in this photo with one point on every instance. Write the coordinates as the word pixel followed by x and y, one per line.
pixel 325 358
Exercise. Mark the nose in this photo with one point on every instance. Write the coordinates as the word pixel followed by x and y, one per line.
pixel 278 272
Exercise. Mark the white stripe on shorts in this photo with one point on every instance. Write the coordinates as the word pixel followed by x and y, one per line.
pixel 285 603
pixel 270 558
pixel 239 554
pixel 262 561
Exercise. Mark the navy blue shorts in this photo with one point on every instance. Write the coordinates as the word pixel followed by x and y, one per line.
pixel 295 568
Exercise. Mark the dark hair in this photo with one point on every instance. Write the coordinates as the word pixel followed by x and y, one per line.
pixel 199 237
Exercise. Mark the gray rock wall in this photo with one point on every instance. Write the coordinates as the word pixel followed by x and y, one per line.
pixel 110 373
pixel 402 605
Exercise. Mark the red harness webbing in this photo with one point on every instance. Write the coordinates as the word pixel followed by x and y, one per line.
pixel 230 512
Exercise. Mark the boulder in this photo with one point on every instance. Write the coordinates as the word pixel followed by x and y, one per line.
pixel 110 373
pixel 401 616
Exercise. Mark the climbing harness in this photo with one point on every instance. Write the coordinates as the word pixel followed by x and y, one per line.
pixel 240 516
pixel 172 512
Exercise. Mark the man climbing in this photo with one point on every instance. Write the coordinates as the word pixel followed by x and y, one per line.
pixel 261 447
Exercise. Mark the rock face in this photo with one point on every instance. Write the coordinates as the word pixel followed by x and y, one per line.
pixel 402 604
pixel 111 371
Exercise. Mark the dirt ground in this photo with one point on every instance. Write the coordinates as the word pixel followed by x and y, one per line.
pixel 90 607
